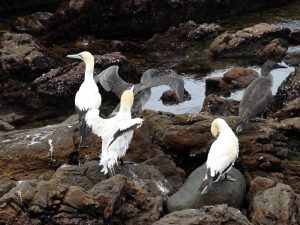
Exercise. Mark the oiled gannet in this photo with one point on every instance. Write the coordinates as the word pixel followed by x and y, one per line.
pixel 116 132
pixel 111 81
pixel 87 97
pixel 222 154
pixel 256 96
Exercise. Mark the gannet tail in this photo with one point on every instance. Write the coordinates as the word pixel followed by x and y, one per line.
pixel 206 184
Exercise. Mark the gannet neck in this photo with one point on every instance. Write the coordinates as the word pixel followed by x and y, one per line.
pixel 89 68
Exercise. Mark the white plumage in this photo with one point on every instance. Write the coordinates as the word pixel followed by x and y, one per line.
pixel 116 132
pixel 222 154
pixel 88 96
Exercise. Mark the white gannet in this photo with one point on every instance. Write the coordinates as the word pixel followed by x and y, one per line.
pixel 256 96
pixel 116 132
pixel 222 154
pixel 88 96
pixel 111 81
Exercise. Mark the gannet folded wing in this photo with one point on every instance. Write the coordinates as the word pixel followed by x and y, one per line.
pixel 111 81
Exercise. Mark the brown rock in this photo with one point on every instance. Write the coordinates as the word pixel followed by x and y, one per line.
pixel 6 126
pixel 274 50
pixel 216 105
pixel 170 98
pixel 292 109
pixel 275 205
pixel 207 215
pixel 217 84
pixel 240 77
pixel 258 185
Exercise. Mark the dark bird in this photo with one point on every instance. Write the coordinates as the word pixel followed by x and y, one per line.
pixel 256 96
pixel 111 81
pixel 222 154
pixel 87 97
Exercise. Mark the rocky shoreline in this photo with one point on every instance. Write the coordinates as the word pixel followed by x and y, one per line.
pixel 45 181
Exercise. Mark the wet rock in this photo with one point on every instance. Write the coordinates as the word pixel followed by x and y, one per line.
pixel 258 185
pixel 23 58
pixel 275 205
pixel 221 192
pixel 207 215
pixel 177 39
pixel 274 50
pixel 32 24
pixel 295 36
pixel 216 105
pixel 251 42
pixel 59 86
pixel 292 58
pixel 288 91
pixel 292 109
pixel 235 78
pixel 5 186
pixel 120 18
pixel 5 126
pixel 169 97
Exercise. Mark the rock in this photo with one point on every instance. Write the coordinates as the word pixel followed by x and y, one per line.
pixel 258 185
pixel 207 215
pixel 176 40
pixel 274 50
pixel 32 24
pixel 235 78
pixel 23 58
pixel 117 199
pixel 240 77
pixel 5 186
pixel 8 119
pixel 216 105
pixel 119 18
pixel 292 58
pixel 59 86
pixel 169 97
pixel 250 42
pixel 18 6
pixel 5 126
pixel 292 109
pixel 288 91
pixel 295 36
pixel 275 205
pixel 221 192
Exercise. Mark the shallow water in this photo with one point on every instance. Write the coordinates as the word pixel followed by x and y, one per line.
pixel 196 88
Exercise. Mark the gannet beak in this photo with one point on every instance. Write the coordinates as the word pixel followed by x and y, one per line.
pixel 132 88
pixel 277 66
pixel 76 56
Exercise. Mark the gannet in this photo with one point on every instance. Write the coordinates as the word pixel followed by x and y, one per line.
pixel 256 96
pixel 87 97
pixel 111 81
pixel 116 132
pixel 222 154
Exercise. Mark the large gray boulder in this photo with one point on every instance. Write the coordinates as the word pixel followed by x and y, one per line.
pixel 221 192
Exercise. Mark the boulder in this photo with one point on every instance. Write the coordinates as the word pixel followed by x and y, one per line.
pixel 23 58
pixel 240 77
pixel 292 109
pixel 215 105
pixel 275 205
pixel 292 58
pixel 207 215
pixel 170 98
pixel 221 192
pixel 251 42
pixel 274 50
pixel 32 24
pixel 295 36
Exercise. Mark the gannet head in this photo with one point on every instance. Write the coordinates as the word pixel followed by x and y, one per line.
pixel 87 57
pixel 216 126
pixel 127 98
pixel 270 65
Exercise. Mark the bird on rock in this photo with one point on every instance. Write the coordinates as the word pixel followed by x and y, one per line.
pixel 222 154
pixel 256 96
pixel 111 81
pixel 88 96
pixel 116 132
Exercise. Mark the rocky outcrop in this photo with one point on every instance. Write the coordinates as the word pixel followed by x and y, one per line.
pixel 277 204
pixel 23 58
pixel 215 105
pixel 260 41
pixel 221 192
pixel 139 18
pixel 292 109
pixel 235 78
pixel 207 215
pixel 32 24
pixel 59 86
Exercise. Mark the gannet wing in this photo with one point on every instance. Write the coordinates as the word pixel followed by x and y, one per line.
pixel 153 78
pixel 126 126
pixel 111 81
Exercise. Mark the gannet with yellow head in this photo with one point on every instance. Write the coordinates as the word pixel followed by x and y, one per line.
pixel 116 132
pixel 222 154
pixel 88 96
